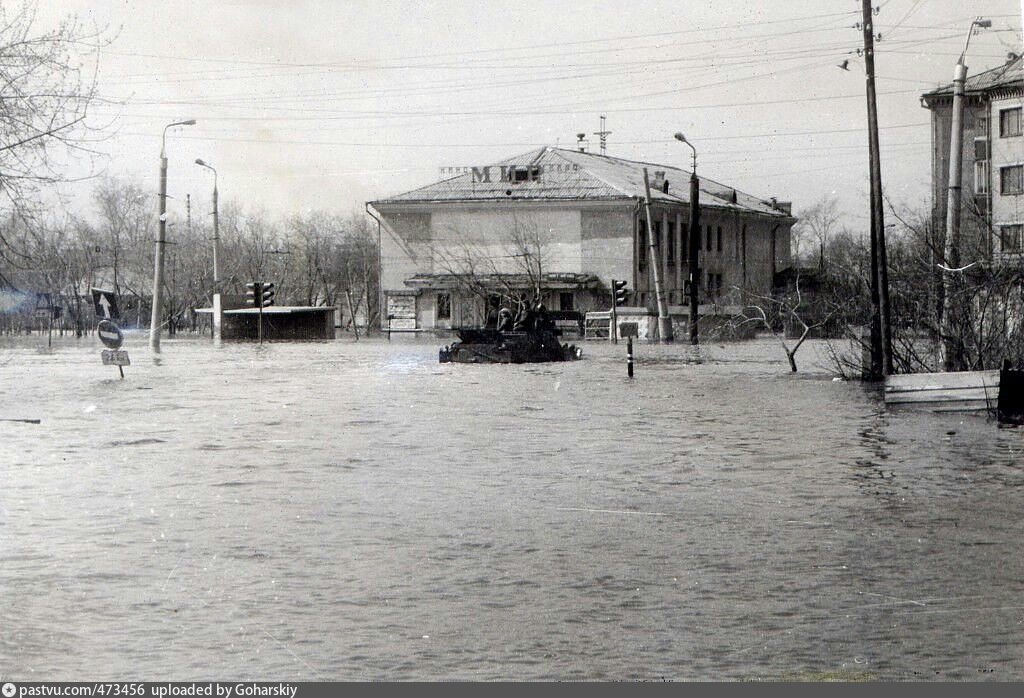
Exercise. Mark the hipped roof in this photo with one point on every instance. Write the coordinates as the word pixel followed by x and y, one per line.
pixel 1010 74
pixel 574 175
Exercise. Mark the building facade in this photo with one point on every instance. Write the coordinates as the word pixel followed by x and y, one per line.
pixel 992 205
pixel 562 224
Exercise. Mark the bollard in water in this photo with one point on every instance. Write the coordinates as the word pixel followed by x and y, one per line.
pixel 629 356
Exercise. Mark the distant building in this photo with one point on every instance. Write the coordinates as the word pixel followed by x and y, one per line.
pixel 566 223
pixel 992 209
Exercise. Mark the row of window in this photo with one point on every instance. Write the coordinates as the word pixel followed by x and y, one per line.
pixel 714 287
pixel 1011 181
pixel 713 241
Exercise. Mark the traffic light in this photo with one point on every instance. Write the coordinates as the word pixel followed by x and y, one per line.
pixel 268 295
pixel 254 294
pixel 619 292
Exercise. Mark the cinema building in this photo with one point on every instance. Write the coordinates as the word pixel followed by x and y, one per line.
pixel 564 223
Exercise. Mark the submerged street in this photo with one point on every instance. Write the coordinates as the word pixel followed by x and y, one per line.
pixel 352 510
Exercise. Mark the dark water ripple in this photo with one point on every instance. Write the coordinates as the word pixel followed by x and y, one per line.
pixel 358 511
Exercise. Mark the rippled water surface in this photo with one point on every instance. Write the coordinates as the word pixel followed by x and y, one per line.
pixel 358 511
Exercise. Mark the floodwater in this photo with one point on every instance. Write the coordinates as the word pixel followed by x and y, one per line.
pixel 357 511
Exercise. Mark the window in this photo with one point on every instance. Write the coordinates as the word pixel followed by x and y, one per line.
pixel 641 242
pixel 981 177
pixel 684 234
pixel 670 243
pixel 524 174
pixel 707 238
pixel 444 306
pixel 1010 238
pixel 565 301
pixel 718 244
pixel 715 285
pixel 1009 122
pixel 1011 180
pixel 981 149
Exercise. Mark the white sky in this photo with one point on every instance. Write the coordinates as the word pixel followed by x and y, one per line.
pixel 328 104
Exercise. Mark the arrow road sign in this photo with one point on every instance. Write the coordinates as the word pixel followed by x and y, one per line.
pixel 110 334
pixel 105 303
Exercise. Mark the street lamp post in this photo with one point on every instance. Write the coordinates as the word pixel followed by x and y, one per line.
pixel 158 265
pixel 216 232
pixel 951 247
pixel 694 241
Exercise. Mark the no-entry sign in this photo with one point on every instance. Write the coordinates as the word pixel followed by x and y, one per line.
pixel 110 334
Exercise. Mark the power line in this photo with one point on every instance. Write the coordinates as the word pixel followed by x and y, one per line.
pixel 518 49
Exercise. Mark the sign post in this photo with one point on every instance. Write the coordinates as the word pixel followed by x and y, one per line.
pixel 111 336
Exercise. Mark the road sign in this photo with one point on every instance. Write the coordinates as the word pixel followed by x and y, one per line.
pixel 105 303
pixel 110 334
pixel 115 357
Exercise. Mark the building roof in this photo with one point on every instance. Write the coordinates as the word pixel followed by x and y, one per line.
pixel 567 174
pixel 1008 75
pixel 552 280
pixel 274 310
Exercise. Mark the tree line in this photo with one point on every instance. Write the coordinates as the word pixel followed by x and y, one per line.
pixel 967 317
pixel 316 259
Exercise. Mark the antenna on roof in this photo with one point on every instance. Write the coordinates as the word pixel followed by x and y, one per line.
pixel 581 144
pixel 603 135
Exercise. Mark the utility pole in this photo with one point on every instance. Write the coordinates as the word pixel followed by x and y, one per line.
pixel 161 239
pixel 216 238
pixel 158 263
pixel 216 226
pixel 664 321
pixel 881 342
pixel 693 248
pixel 952 350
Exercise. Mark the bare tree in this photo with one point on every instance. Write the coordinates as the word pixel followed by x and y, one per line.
pixel 817 225
pixel 46 89
pixel 510 270
pixel 786 314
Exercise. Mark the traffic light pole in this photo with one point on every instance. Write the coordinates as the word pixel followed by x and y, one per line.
pixel 613 324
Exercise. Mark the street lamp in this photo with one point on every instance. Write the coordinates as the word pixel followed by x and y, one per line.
pixel 694 240
pixel 216 235
pixel 158 265
pixel 951 248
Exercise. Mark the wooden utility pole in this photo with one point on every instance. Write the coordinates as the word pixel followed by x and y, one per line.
pixel 664 321
pixel 881 342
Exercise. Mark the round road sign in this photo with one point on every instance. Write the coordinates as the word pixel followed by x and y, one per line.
pixel 110 334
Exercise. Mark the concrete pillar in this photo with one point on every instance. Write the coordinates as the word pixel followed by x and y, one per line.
pixel 218 317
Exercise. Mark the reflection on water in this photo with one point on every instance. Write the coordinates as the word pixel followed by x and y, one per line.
pixel 357 510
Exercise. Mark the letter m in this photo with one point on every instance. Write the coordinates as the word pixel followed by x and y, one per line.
pixel 481 174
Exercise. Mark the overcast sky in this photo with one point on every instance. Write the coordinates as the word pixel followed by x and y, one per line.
pixel 325 105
